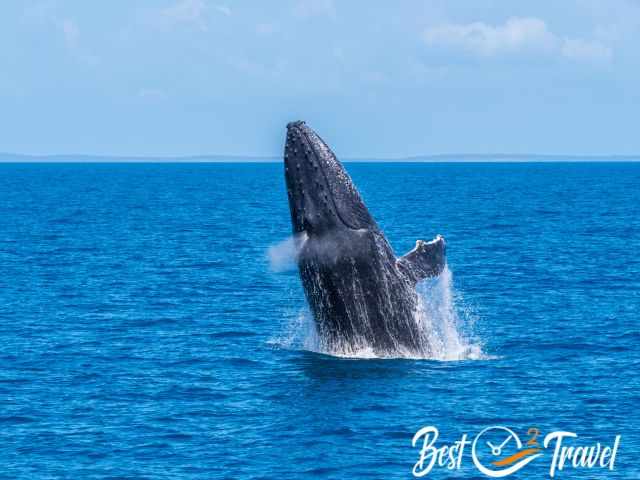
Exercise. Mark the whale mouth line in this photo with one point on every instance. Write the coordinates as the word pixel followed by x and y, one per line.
pixel 296 126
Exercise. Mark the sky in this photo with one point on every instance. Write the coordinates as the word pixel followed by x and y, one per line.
pixel 376 79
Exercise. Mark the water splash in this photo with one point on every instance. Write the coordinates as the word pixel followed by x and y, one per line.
pixel 447 321
pixel 442 317
pixel 283 255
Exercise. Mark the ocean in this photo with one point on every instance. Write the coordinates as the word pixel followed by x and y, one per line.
pixel 148 330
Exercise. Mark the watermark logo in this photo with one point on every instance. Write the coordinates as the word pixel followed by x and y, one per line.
pixel 499 451
pixel 503 450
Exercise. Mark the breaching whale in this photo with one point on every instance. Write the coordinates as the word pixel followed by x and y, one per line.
pixel 361 296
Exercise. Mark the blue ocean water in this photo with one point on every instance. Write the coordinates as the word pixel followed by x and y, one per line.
pixel 142 326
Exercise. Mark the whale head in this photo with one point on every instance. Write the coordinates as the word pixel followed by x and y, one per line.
pixel 322 197
pixel 343 254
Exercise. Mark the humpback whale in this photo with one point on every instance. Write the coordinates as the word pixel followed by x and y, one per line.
pixel 360 294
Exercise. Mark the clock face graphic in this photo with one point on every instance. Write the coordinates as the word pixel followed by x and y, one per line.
pixel 498 451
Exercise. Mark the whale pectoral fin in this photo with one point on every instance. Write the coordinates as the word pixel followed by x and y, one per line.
pixel 426 260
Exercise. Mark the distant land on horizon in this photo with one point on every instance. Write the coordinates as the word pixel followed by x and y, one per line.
pixel 448 158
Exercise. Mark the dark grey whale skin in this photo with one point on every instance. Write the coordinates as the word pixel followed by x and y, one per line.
pixel 360 294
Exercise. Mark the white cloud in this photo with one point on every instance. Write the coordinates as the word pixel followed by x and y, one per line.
pixel 487 40
pixel 515 36
pixel 186 12
pixel 151 94
pixel 266 29
pixel 192 13
pixel 315 8
pixel 40 11
pixel 223 9
pixel 578 49
pixel 71 33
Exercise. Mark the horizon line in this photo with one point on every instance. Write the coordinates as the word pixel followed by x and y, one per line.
pixel 6 157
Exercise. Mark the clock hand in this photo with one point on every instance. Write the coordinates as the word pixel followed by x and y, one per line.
pixel 505 442
pixel 495 451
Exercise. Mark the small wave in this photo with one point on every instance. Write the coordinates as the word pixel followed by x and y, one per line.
pixel 443 319
pixel 232 334
pixel 17 420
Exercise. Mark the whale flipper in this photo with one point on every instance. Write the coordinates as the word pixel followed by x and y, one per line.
pixel 427 259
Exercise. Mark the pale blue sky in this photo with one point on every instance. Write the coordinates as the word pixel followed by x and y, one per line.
pixel 375 78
